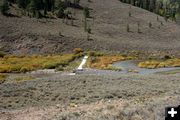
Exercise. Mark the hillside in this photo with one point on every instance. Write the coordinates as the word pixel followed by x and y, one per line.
pixel 128 56
pixel 109 20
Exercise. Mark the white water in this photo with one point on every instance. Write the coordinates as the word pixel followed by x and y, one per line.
pixel 82 63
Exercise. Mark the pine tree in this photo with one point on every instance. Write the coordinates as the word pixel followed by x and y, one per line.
pixel 33 7
pixel 138 24
pixel 52 5
pixel 60 13
pixel 129 13
pixel 85 23
pixel 76 2
pixel 157 18
pixel 88 32
pixel 150 25
pixel 86 12
pixel 128 28
pixel 61 8
pixel 61 5
pixel 45 7
pixel 4 7
pixel 21 3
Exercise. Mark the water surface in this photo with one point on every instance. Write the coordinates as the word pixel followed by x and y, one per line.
pixel 131 65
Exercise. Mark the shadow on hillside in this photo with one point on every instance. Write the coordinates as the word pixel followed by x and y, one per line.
pixel 76 6
pixel 11 15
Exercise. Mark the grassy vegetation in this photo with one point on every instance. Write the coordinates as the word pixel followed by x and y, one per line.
pixel 2 54
pixel 160 64
pixel 22 64
pixel 72 65
pixel 2 78
pixel 10 64
pixel 105 61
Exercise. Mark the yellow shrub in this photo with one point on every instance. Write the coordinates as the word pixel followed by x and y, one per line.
pixel 104 62
pixel 50 65
pixel 78 50
pixel 28 63
pixel 148 64
pixel 26 69
pixel 4 68
pixel 160 64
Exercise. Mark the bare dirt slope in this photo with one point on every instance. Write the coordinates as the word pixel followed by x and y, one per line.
pixel 109 23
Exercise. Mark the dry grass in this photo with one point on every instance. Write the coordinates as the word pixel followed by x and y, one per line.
pixel 105 62
pixel 29 63
pixel 160 64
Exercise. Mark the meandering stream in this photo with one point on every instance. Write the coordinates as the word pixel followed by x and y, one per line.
pixel 131 65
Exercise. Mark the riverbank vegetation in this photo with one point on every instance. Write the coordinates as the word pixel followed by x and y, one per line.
pixel 105 62
pixel 20 64
pixel 67 62
pixel 152 64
